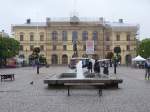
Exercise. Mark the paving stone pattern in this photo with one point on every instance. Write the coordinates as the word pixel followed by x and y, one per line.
pixel 133 94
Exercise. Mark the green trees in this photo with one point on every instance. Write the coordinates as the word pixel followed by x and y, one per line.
pixel 9 47
pixel 34 57
pixel 144 48
pixel 117 50
pixel 37 58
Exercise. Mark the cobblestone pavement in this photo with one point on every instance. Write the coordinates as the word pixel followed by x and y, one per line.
pixel 19 95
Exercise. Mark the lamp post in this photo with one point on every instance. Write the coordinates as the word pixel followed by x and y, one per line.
pixel 103 42
pixel 38 65
pixel 36 52
pixel 115 65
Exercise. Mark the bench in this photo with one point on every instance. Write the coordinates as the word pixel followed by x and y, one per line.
pixel 6 76
pixel 84 84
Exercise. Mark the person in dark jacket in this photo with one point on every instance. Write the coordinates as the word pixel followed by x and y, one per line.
pixel 97 67
pixel 89 67
pixel 147 69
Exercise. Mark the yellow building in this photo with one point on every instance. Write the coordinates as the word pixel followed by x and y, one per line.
pixel 56 38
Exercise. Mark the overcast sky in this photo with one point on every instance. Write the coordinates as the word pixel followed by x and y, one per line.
pixel 132 11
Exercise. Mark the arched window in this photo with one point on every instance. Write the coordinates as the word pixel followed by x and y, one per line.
pixel 54 36
pixel 64 36
pixel 64 59
pixel 118 37
pixel 95 36
pixel 31 36
pixel 54 59
pixel 21 36
pixel 128 59
pixel 84 36
pixel 74 36
pixel 128 37
pixel 41 36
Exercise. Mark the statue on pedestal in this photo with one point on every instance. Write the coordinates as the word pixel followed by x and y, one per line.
pixel 75 50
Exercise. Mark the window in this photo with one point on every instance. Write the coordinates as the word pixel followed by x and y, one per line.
pixel 64 47
pixel 21 47
pixel 107 38
pixel 42 47
pixel 41 37
pixel 84 36
pixel 54 36
pixel 95 36
pixel 107 47
pixel 31 47
pixel 128 37
pixel 64 36
pixel 54 47
pixel 21 37
pixel 74 36
pixel 118 37
pixel 84 47
pixel 128 47
pixel 31 37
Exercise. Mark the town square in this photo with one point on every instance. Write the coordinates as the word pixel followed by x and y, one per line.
pixel 74 56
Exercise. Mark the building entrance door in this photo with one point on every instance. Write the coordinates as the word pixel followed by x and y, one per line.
pixel 54 59
pixel 64 59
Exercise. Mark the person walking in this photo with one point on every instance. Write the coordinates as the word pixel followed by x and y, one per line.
pixel 115 65
pixel 89 67
pixel 97 68
pixel 105 70
pixel 147 69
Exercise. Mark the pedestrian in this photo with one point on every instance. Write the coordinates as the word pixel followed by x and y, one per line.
pixel 110 62
pixel 97 68
pixel 147 69
pixel 105 70
pixel 89 66
pixel 115 65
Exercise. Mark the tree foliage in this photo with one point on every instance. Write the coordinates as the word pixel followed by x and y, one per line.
pixel 34 57
pixel 36 50
pixel 117 50
pixel 144 48
pixel 37 58
pixel 42 59
pixel 9 47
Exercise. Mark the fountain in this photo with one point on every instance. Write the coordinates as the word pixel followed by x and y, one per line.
pixel 80 76
pixel 79 70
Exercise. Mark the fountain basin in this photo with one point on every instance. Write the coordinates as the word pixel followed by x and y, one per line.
pixel 71 78
pixel 67 75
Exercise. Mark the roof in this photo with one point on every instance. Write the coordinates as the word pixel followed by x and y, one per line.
pixel 31 24
pixel 138 58
pixel 115 26
pixel 58 23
